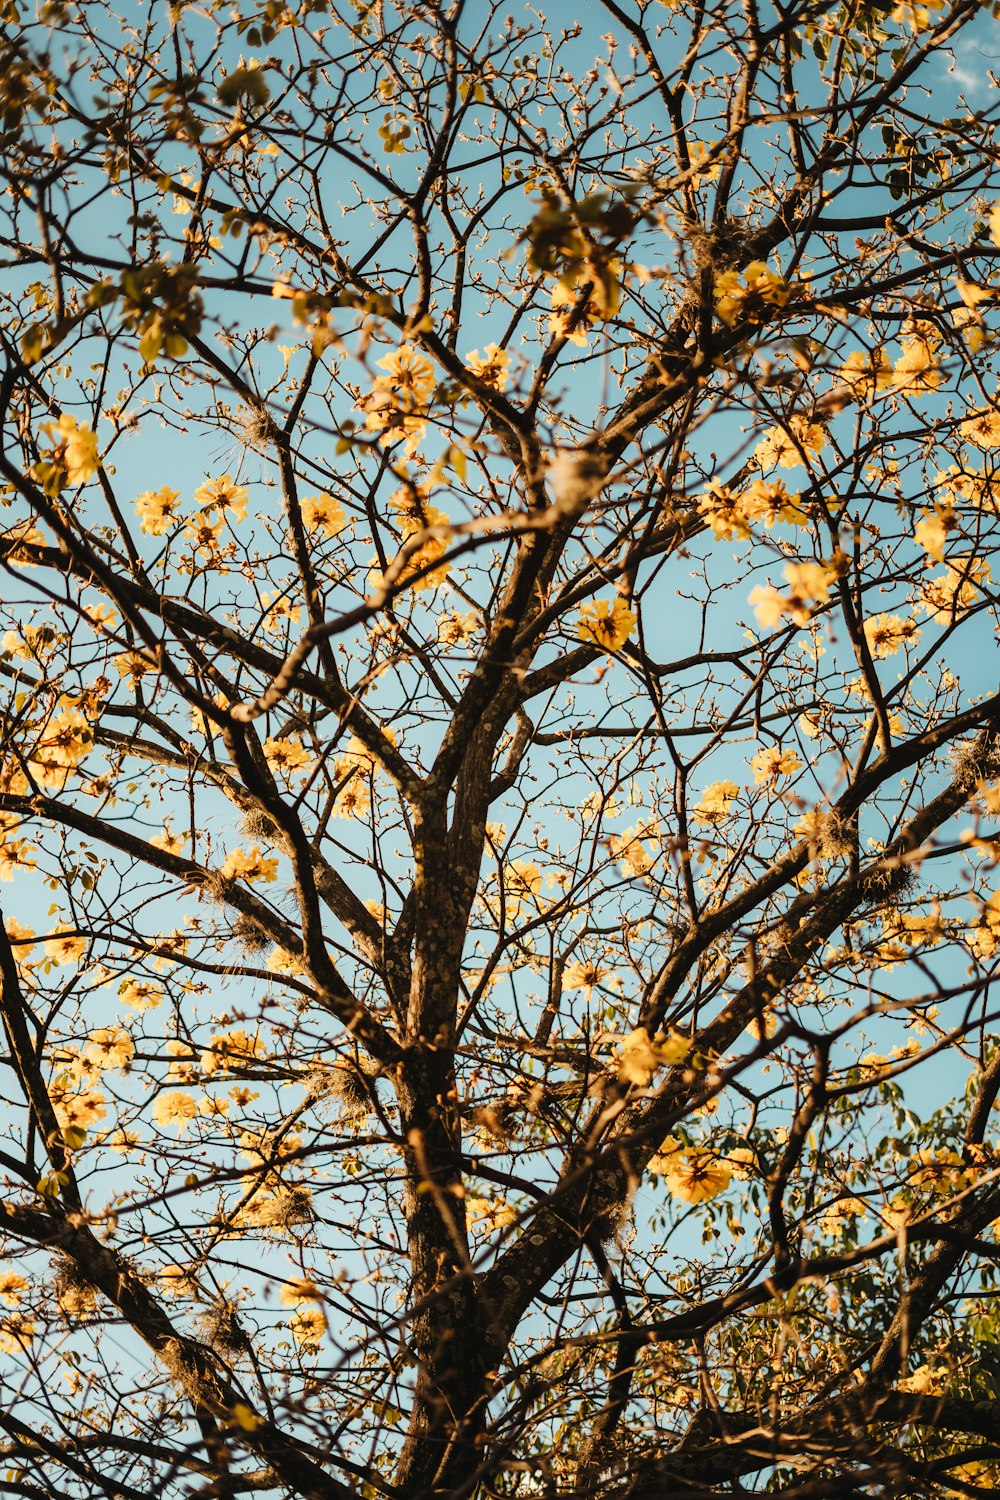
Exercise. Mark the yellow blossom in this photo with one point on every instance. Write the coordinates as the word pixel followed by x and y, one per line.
pixel 489 1214
pixel 65 946
pixel 298 1290
pixel 280 961
pixel 139 995
pixel 287 756
pixel 222 494
pixel 583 974
pixel 982 428
pixel 950 594
pixel 307 1326
pixel 65 741
pixel 73 457
pixel 767 765
pixel 751 296
pixel 931 532
pixel 783 447
pixel 323 513
pixel 16 1333
pixel 81 1110
pixel 12 1285
pixel 606 623
pixel 564 303
pixel 925 1380
pixel 724 512
pixel 168 841
pixel 522 880
pixel 694 1176
pixel 455 629
pixel 229 1049
pixel 110 1047
pixel 492 367
pixel 866 372
pixel 279 611
pixel 715 802
pixel 204 532
pixel 240 865
pixel 155 509
pixel 175 1108
pixel 395 407
pixel 640 1055
pixel 16 854
pixel 635 858
pixel 885 634
pixel 916 371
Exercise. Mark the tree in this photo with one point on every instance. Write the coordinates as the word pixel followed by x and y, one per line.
pixel 500 764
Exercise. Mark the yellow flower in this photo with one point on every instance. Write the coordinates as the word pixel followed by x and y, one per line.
pixel 715 801
pixel 16 1333
pixel 222 495
pixel 21 938
pixel 298 1290
pixel 281 961
pixel 925 1380
pixel 204 532
pixel 916 371
pixel 693 1176
pixel 110 1047
pixel 11 1287
pixel 951 593
pixel 81 1111
pixel 492 368
pixel 455 629
pixel 942 1171
pixel 278 608
pixel 73 459
pixel 606 623
pixel 25 536
pixel 134 665
pixel 168 841
pixel 396 405
pixel 810 585
pixel 175 1108
pixel 583 975
pixel 782 447
pixel 767 765
pixel 768 500
pixel 239 865
pixel 866 372
pixel 769 605
pixel 886 633
pixel 139 995
pixel 353 799
pixel 522 879
pixel 634 857
pixel 288 756
pixel 724 512
pixel 564 300
pixel 67 739
pixel 65 946
pixel 489 1214
pixel 155 509
pixel 982 428
pixel 307 1326
pixel 228 1049
pixel 640 1056
pixel 16 854
pixel 698 152
pixel 323 512
pixel 751 297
